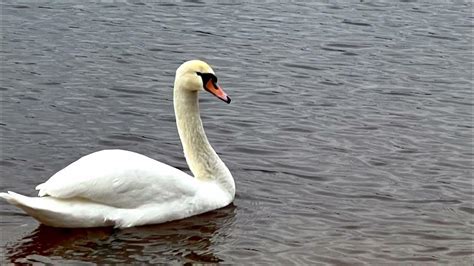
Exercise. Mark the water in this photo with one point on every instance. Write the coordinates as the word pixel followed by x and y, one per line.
pixel 349 134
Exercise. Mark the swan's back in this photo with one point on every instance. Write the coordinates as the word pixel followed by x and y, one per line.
pixel 119 178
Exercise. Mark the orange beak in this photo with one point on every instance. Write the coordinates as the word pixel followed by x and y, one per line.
pixel 215 89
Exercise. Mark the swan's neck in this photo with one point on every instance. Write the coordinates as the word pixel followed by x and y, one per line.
pixel 200 156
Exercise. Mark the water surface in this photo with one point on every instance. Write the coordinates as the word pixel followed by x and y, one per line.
pixel 349 133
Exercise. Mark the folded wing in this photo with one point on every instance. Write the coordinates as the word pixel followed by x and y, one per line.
pixel 120 179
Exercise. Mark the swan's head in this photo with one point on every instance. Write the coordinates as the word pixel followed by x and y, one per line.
pixel 197 75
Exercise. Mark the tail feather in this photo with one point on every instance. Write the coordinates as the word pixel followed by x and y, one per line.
pixel 18 199
pixel 61 212
pixel 8 197
pixel 31 206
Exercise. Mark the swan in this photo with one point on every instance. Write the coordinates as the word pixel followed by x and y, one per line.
pixel 124 189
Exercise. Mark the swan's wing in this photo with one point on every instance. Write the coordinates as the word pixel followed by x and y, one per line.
pixel 119 178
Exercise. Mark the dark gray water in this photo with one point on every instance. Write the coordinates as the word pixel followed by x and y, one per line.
pixel 349 134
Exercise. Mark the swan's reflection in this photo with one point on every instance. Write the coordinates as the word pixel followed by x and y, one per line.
pixel 188 240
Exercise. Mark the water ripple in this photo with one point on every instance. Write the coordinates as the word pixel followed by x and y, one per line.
pixel 349 134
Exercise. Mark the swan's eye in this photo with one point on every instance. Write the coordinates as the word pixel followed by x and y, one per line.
pixel 206 77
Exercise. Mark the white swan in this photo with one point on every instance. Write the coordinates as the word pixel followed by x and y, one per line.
pixel 123 189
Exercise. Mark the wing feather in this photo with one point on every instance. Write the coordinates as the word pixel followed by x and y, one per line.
pixel 120 178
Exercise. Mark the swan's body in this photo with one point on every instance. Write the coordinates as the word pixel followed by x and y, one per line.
pixel 123 189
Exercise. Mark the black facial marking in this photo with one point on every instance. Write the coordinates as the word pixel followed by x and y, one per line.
pixel 206 77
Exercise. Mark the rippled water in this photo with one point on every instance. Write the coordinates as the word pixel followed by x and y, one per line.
pixel 349 133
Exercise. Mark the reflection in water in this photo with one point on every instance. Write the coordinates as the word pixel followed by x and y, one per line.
pixel 188 240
